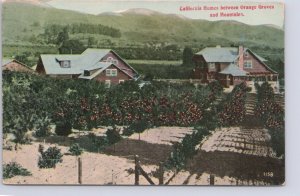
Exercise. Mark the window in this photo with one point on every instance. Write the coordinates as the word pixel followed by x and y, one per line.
pixel 112 60
pixel 65 64
pixel 109 59
pixel 121 81
pixel 111 72
pixel 86 73
pixel 211 66
pixel 115 62
pixel 107 83
pixel 248 64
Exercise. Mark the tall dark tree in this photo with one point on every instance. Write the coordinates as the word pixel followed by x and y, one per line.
pixel 113 136
pixel 187 56
pixel 91 42
pixel 72 47
pixel 62 36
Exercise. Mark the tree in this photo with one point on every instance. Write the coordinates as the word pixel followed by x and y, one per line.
pixel 62 36
pixel 72 47
pixel 113 136
pixel 187 56
pixel 75 149
pixel 139 127
pixel 24 57
pixel 91 42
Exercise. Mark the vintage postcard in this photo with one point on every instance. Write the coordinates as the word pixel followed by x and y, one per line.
pixel 143 93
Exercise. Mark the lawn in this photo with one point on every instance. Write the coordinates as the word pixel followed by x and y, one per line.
pixel 154 62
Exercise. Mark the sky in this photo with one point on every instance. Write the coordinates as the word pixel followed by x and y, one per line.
pixel 272 14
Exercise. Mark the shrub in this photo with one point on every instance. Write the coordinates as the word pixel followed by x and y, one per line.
pixel 113 135
pixel 233 109
pixel 271 114
pixel 128 131
pixel 277 141
pixel 215 87
pixel 50 157
pixel 14 169
pixel 63 128
pixel 176 159
pixel 137 127
pixel 186 149
pixel 42 127
pixel 75 150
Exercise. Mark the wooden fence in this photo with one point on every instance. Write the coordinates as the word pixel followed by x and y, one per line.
pixel 138 170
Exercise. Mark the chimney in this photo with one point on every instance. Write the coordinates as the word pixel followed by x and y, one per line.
pixel 241 57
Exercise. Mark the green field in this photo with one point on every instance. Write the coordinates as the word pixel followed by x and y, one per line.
pixel 154 62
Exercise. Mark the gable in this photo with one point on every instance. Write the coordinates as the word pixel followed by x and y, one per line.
pixel 121 75
pixel 114 58
pixel 101 72
pixel 258 66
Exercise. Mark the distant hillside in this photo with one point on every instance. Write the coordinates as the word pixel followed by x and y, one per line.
pixel 138 26
pixel 42 3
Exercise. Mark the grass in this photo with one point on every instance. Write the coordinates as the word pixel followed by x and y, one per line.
pixel 162 71
pixel 154 62
pixel 10 51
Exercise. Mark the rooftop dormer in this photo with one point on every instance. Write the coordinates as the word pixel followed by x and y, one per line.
pixel 64 63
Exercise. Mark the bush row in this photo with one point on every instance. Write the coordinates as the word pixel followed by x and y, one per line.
pixel 33 102
pixel 271 114
pixel 233 109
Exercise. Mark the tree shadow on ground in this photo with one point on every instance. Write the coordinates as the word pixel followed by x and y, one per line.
pixel 84 141
pixel 148 153
pixel 251 121
pixel 240 166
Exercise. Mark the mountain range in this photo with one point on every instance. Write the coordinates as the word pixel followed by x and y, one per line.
pixel 22 21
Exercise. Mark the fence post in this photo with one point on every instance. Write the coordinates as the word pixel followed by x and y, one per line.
pixel 161 173
pixel 136 169
pixel 112 176
pixel 212 179
pixel 79 170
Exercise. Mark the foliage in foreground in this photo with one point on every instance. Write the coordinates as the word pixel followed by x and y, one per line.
pixel 63 128
pixel 233 109
pixel 271 114
pixel 136 127
pixel 50 157
pixel 33 102
pixel 14 169
pixel 42 127
pixel 113 135
pixel 75 149
pixel 186 149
